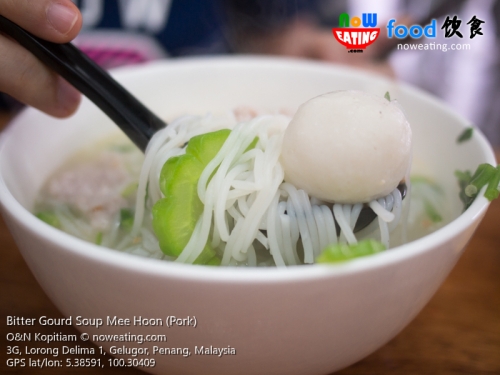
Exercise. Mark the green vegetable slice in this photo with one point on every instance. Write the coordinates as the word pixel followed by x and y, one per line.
pixel 176 215
pixel 253 144
pixel 205 146
pixel 343 252
pixel 215 261
pixel 387 96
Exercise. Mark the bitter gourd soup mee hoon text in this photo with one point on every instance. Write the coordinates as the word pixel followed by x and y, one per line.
pixel 329 184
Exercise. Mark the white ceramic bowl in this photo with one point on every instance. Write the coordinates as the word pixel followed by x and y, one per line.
pixel 302 320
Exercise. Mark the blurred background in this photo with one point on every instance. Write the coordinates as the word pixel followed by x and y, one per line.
pixel 464 72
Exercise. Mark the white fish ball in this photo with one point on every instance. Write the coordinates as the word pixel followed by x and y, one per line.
pixel 347 147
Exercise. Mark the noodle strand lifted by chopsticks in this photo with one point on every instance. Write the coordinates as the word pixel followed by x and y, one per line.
pixel 248 208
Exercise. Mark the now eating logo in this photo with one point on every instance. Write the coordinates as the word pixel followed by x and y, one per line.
pixel 352 36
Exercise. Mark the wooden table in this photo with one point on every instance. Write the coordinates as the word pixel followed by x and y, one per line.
pixel 458 332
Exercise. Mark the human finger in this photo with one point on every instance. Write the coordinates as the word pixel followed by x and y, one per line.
pixel 58 21
pixel 26 79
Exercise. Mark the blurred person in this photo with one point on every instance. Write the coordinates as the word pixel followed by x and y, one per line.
pixel 468 80
pixel 293 28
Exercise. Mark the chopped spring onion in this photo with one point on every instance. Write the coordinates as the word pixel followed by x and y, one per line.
pixel 470 185
pixel 343 252
pixel 432 212
pixel 126 219
pixel 492 189
pixel 418 179
pixel 465 135
pixel 129 189
pixel 123 148
pixel 387 96
pixel 98 238
pixel 50 218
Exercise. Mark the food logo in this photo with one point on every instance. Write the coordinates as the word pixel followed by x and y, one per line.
pixel 352 36
pixel 451 27
pixel 414 31
pixel 358 33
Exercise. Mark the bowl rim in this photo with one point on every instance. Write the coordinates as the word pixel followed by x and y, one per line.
pixel 150 266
